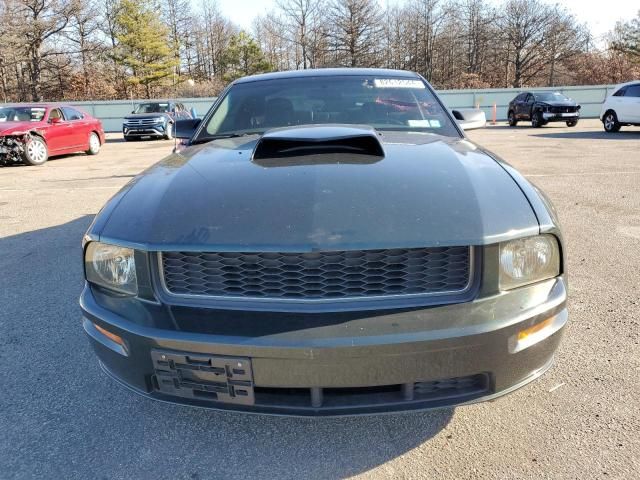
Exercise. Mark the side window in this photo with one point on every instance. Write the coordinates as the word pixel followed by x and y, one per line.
pixel 72 114
pixel 530 98
pixel 620 93
pixel 632 91
pixel 55 113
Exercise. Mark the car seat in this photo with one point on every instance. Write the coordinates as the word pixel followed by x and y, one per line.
pixel 278 113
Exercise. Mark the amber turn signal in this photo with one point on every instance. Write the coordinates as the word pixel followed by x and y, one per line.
pixel 109 335
pixel 527 332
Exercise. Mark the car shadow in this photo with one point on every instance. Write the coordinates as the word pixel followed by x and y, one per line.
pixel 51 159
pixel 135 140
pixel 591 135
pixel 115 140
pixel 61 403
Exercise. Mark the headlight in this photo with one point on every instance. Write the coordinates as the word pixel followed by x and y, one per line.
pixel 528 260
pixel 111 266
pixel 159 120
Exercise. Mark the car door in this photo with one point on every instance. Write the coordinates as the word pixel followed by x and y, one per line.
pixel 527 105
pixel 57 132
pixel 631 104
pixel 517 105
pixel 523 113
pixel 616 102
pixel 78 131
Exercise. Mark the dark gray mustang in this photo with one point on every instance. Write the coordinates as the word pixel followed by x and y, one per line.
pixel 328 243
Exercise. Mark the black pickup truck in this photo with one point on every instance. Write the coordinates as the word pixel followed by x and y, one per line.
pixel 153 120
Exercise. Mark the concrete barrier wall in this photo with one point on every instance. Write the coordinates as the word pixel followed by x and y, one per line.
pixel 112 112
pixel 590 97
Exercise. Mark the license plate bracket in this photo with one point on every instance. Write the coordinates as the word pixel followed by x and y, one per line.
pixel 204 377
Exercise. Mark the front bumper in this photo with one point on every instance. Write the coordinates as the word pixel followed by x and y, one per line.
pixel 152 130
pixel 560 117
pixel 376 361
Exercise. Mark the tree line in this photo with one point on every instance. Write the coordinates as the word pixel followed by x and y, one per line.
pixel 108 49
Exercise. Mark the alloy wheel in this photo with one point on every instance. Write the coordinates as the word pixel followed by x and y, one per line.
pixel 37 151
pixel 94 143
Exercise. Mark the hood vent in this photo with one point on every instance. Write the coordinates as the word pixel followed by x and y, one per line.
pixel 327 143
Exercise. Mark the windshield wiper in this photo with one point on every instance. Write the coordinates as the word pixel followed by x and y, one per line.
pixel 231 135
pixel 223 135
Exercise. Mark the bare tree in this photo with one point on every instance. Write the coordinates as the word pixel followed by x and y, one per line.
pixel 300 24
pixel 356 32
pixel 36 21
pixel 176 14
pixel 84 25
pixel 525 23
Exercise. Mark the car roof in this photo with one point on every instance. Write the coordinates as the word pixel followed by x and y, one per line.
pixel 327 72
pixel 632 82
pixel 39 105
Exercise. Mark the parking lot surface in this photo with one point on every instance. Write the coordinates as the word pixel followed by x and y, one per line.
pixel 62 418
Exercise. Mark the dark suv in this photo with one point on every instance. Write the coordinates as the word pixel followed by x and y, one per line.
pixel 153 120
pixel 541 108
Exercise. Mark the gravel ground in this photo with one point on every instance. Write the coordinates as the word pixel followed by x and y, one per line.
pixel 61 418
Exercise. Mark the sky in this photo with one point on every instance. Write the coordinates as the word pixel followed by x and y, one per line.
pixel 601 16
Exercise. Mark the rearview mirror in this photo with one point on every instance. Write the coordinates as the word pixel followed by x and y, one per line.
pixel 184 129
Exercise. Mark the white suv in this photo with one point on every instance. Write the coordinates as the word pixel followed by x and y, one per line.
pixel 622 107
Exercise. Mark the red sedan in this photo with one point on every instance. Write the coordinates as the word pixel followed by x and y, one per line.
pixel 33 133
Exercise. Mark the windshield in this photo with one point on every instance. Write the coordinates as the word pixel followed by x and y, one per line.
pixel 152 108
pixel 551 97
pixel 22 114
pixel 385 103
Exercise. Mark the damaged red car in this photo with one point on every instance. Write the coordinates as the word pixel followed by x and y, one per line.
pixel 31 134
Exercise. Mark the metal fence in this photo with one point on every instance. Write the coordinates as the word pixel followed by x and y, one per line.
pixel 590 97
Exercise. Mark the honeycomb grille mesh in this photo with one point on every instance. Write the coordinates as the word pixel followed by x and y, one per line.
pixel 318 275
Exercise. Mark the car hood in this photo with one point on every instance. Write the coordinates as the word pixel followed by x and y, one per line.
pixel 146 115
pixel 559 103
pixel 7 128
pixel 427 190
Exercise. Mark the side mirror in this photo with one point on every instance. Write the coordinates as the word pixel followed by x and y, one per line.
pixel 55 120
pixel 133 111
pixel 184 129
pixel 470 118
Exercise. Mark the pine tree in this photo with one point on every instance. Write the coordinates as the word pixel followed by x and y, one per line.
pixel 143 46
pixel 243 57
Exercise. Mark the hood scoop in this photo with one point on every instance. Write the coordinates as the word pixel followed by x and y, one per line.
pixel 321 144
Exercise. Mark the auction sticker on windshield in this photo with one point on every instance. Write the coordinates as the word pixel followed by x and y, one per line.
pixel 397 83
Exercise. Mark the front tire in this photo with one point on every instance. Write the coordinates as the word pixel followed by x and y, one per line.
pixel 572 123
pixel 168 135
pixel 94 144
pixel 536 120
pixel 512 119
pixel 610 122
pixel 35 151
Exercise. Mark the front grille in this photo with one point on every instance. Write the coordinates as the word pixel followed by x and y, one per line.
pixel 563 109
pixel 139 122
pixel 318 275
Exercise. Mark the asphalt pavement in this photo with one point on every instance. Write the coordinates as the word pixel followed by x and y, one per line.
pixel 62 418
